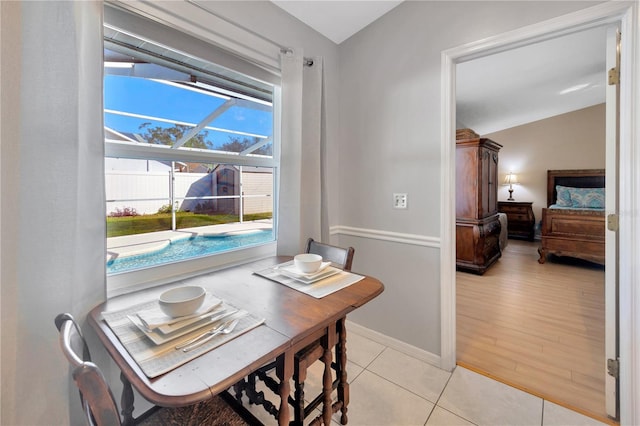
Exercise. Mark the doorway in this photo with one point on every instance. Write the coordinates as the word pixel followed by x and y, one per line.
pixel 555 351
pixel 592 17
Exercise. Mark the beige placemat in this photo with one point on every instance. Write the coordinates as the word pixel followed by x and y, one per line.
pixel 158 359
pixel 318 289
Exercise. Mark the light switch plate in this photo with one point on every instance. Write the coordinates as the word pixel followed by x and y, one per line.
pixel 399 201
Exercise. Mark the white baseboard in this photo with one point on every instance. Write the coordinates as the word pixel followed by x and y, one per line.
pixel 396 344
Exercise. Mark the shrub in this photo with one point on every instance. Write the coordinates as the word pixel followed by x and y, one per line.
pixel 165 209
pixel 126 211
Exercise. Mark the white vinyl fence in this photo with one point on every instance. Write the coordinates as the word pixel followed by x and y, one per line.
pixel 148 192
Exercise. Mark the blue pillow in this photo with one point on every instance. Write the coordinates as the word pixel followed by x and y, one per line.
pixel 587 198
pixel 581 198
pixel 563 198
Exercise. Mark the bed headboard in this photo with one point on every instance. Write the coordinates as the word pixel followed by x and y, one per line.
pixel 586 178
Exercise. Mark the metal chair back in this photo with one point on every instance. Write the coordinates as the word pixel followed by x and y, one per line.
pixel 97 399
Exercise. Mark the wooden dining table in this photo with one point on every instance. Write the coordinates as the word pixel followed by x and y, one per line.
pixel 292 319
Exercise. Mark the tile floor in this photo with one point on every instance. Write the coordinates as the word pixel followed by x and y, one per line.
pixel 388 387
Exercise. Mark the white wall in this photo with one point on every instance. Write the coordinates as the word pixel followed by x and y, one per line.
pixel 568 141
pixel 390 142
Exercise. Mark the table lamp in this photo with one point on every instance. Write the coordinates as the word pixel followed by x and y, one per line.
pixel 510 179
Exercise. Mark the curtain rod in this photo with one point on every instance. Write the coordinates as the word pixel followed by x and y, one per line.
pixel 307 62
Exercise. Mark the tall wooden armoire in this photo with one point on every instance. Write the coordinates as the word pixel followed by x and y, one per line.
pixel 477 224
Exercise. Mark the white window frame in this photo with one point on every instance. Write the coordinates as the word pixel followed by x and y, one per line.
pixel 126 282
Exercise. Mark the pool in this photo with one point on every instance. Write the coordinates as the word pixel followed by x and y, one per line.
pixel 188 248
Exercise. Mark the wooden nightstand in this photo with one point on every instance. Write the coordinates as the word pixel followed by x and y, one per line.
pixel 520 218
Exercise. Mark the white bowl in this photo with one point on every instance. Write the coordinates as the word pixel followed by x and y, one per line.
pixel 181 301
pixel 307 262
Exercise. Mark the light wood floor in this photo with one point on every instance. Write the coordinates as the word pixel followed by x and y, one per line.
pixel 536 327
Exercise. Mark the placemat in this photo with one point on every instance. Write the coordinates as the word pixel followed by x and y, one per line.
pixel 158 359
pixel 318 289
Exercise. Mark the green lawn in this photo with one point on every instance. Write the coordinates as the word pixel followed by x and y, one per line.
pixel 129 225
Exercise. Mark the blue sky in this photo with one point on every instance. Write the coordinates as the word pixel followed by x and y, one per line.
pixel 151 98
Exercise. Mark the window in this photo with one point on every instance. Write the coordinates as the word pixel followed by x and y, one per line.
pixel 190 158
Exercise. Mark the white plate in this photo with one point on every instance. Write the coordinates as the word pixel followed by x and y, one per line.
pixel 173 327
pixel 156 319
pixel 325 271
pixel 293 269
pixel 159 338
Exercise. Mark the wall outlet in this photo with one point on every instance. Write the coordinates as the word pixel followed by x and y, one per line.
pixel 399 201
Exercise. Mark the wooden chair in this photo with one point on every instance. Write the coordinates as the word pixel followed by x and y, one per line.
pixel 339 257
pixel 318 350
pixel 100 405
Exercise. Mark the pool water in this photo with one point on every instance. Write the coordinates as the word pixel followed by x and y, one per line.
pixel 186 249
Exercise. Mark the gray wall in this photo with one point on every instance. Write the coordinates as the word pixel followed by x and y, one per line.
pixel 532 149
pixel 390 142
pixel 268 20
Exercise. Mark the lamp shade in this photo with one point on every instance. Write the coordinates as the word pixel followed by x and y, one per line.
pixel 510 179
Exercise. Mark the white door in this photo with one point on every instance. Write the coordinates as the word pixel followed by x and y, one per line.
pixel 611 234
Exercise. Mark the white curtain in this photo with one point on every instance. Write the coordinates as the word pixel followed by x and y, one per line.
pixel 311 200
pixel 324 177
pixel 301 210
pixel 53 226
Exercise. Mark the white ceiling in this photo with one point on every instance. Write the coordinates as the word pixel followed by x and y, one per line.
pixel 531 83
pixel 496 92
pixel 337 20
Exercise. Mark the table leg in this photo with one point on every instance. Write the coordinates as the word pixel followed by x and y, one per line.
pixel 341 358
pixel 126 401
pixel 300 375
pixel 327 378
pixel 284 371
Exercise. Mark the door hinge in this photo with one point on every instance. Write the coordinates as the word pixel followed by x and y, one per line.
pixel 612 222
pixel 614 76
pixel 613 367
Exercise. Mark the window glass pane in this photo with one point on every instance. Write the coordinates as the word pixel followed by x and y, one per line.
pixel 257 188
pixel 159 112
pixel 135 187
pixel 217 208
pixel 190 205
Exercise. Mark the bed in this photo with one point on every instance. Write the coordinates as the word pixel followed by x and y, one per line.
pixel 573 223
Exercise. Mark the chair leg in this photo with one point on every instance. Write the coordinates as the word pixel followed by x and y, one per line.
pixel 237 390
pixel 255 397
